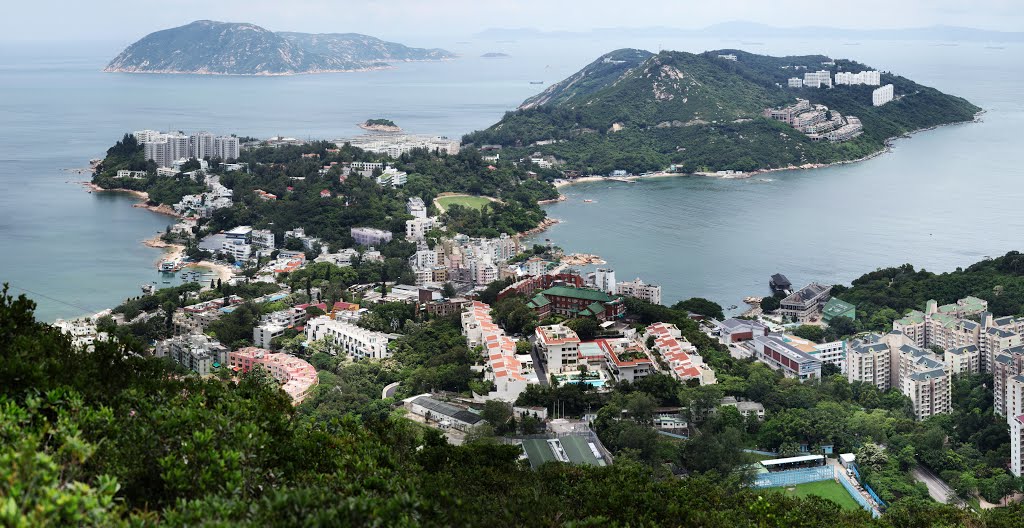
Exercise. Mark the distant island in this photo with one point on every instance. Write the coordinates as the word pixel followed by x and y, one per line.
pixel 222 48
pixel 380 125
pixel 494 55
pixel 719 112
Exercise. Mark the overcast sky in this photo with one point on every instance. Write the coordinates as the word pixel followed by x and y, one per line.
pixel 129 20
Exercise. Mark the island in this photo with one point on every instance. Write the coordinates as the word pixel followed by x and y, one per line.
pixel 222 48
pixel 494 55
pixel 380 125
pixel 723 112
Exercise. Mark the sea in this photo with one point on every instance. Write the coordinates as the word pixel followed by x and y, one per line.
pixel 942 199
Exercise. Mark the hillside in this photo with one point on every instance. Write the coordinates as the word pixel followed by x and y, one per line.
pixel 639 112
pixel 212 47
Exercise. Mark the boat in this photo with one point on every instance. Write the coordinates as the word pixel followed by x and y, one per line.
pixel 536 82
pixel 147 289
pixel 588 201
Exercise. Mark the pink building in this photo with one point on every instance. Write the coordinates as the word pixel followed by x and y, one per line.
pixel 296 376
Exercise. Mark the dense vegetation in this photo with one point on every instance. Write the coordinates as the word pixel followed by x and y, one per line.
pixel 699 112
pixel 356 201
pixel 128 154
pixel 380 122
pixel 886 294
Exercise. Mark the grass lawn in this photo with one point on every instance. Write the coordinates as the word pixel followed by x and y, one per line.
pixel 472 202
pixel 828 489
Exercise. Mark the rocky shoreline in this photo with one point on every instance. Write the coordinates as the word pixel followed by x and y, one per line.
pixel 807 166
pixel 544 225
pixel 163 209
pixel 380 128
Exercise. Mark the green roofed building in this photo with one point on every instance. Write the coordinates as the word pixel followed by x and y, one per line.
pixel 568 301
pixel 836 308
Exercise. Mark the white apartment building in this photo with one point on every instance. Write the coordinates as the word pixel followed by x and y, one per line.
pixel 963 360
pixel 891 361
pixel 369 236
pixel 640 290
pixel 1015 420
pixel 869 361
pixel 263 239
pixel 416 207
pixel 559 345
pixel 795 82
pixel 818 79
pixel 882 95
pixel 348 338
pixel 417 228
pixel 869 77
pixel 196 352
pixel 603 279
pixel 264 334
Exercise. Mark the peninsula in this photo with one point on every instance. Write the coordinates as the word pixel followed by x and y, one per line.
pixel 223 48
pixel 728 111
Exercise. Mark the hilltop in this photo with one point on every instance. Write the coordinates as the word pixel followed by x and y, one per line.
pixel 210 47
pixel 638 111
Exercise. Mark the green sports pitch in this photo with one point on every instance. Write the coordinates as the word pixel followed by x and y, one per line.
pixel 472 202
pixel 828 489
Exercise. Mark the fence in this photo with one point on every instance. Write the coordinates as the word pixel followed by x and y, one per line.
pixel 855 493
pixel 873 495
pixel 793 477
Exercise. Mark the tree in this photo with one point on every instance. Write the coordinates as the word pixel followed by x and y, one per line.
pixel 585 327
pixel 810 332
pixel 448 290
pixel 499 415
pixel 871 456
pixel 701 306
pixel 830 369
pixel 770 304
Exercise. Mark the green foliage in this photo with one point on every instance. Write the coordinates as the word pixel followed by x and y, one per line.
pixel 703 113
pixel 701 306
pixel 108 439
pixel 878 294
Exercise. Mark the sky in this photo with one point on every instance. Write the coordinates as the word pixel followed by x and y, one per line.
pixel 129 20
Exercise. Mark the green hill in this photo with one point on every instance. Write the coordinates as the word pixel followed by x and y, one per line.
pixel 639 112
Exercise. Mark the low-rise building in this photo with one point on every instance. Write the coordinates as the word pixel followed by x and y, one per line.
pixel 347 338
pixel 559 345
pixel 369 236
pixel 793 362
pixel 679 355
pixel 444 414
pixel 196 352
pixel 577 302
pixel 735 330
pixel 626 360
pixel 640 290
pixel 806 303
pixel 296 376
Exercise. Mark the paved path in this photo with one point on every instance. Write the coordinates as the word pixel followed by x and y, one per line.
pixel 538 363
pixel 937 488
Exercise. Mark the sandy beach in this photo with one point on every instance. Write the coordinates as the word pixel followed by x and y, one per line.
pixel 171 251
pixel 223 271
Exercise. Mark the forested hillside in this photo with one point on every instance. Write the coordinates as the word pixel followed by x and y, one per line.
pixel 702 112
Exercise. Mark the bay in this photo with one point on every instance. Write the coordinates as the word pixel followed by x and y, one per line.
pixel 942 199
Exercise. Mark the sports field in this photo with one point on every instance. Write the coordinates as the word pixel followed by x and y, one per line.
pixel 472 202
pixel 828 489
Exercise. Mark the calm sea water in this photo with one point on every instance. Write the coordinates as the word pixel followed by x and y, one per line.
pixel 941 200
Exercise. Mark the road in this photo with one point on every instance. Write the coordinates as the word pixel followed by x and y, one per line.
pixel 538 364
pixel 937 488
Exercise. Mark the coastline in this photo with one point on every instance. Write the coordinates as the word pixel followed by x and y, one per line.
pixel 141 195
pixel 380 128
pixel 177 251
pixel 808 166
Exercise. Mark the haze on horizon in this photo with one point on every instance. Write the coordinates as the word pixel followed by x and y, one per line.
pixel 116 20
